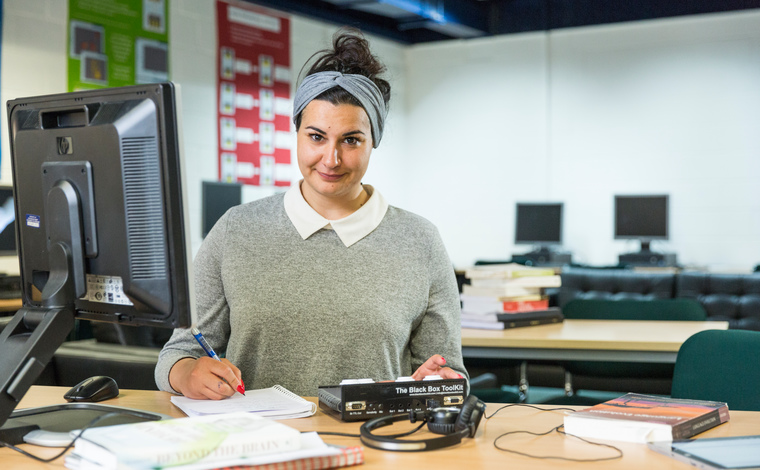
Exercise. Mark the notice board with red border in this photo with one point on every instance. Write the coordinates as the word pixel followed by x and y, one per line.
pixel 253 89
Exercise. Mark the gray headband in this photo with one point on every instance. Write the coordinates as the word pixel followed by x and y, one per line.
pixel 359 86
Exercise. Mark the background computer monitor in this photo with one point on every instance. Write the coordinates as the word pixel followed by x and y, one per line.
pixel 538 224
pixel 217 198
pixel 643 218
pixel 98 188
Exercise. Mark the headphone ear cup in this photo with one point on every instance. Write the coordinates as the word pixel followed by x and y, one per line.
pixel 441 428
pixel 463 421
pixel 442 420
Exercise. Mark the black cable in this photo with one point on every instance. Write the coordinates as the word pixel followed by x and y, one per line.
pixel 557 429
pixel 620 452
pixel 65 449
pixel 557 457
pixel 527 406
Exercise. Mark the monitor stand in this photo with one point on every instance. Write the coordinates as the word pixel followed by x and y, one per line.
pixel 648 258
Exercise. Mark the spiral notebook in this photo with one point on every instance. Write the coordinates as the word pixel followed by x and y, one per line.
pixel 275 402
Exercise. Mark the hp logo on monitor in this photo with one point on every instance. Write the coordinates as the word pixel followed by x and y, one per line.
pixel 64 146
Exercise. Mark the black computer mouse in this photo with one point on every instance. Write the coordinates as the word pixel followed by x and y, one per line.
pixel 97 388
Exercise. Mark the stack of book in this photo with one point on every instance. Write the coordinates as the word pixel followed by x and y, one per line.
pixel 508 295
pixel 237 440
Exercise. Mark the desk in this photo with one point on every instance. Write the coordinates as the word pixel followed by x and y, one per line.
pixel 10 305
pixel 471 454
pixel 586 340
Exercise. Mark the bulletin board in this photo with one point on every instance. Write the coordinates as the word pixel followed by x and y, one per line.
pixel 117 43
pixel 253 90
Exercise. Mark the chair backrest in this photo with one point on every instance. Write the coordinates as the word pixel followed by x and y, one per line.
pixel 734 298
pixel 659 309
pixel 720 365
pixel 614 284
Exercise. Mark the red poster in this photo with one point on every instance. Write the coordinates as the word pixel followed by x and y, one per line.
pixel 254 95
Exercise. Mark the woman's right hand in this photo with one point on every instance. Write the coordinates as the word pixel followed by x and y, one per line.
pixel 205 378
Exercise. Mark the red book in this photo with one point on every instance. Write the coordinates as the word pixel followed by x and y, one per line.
pixel 486 304
pixel 525 305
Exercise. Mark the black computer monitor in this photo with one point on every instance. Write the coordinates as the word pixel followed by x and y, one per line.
pixel 99 198
pixel 217 198
pixel 7 222
pixel 643 218
pixel 538 224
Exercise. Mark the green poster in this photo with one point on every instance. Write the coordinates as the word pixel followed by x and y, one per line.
pixel 117 42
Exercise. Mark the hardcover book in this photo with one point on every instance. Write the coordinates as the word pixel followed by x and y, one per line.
pixel 524 306
pixel 501 321
pixel 199 440
pixel 646 418
pixel 500 291
pixel 527 281
pixel 340 457
pixel 506 271
pixel 488 304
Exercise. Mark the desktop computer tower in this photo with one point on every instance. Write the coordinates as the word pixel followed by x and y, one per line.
pixel 648 258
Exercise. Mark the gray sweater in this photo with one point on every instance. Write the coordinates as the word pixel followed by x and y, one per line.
pixel 304 313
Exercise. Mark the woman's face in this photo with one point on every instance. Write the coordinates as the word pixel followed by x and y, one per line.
pixel 334 144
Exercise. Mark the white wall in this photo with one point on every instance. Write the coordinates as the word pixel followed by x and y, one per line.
pixel 477 114
pixel 661 107
pixel 575 115
pixel 578 115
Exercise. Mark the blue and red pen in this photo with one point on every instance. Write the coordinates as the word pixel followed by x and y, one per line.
pixel 210 351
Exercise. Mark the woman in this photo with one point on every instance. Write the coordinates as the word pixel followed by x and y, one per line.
pixel 327 281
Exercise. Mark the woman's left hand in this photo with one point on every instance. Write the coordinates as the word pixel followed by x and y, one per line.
pixel 436 366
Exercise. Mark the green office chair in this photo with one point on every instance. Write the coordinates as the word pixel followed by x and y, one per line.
pixel 719 365
pixel 650 310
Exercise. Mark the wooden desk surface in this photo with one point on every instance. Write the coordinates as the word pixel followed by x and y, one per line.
pixel 471 454
pixel 10 305
pixel 633 341
pixel 593 334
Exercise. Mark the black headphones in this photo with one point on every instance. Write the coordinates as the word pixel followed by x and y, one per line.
pixel 452 422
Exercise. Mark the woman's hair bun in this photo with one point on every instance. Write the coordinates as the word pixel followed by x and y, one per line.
pixel 351 54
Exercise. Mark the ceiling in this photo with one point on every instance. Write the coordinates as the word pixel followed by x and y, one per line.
pixel 419 21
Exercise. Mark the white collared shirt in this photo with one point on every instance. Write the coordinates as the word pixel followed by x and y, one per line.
pixel 349 229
